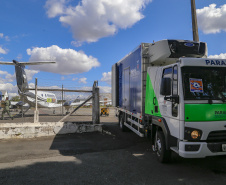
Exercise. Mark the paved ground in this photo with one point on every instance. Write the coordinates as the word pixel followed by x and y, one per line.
pixel 46 115
pixel 111 157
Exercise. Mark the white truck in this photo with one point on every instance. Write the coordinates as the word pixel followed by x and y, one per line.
pixel 171 92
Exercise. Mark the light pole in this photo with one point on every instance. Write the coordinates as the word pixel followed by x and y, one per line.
pixel 194 22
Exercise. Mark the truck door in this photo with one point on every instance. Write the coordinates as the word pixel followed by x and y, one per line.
pixel 169 106
pixel 126 89
pixel 175 92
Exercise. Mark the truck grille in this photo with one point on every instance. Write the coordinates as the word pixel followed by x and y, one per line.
pixel 215 147
pixel 217 136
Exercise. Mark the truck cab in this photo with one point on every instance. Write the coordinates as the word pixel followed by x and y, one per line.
pixel 190 100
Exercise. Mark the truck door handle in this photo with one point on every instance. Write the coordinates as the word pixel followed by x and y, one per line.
pixel 154 100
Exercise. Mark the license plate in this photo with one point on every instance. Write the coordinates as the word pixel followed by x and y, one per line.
pixel 224 147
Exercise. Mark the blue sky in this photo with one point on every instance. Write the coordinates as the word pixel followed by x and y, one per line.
pixel 86 37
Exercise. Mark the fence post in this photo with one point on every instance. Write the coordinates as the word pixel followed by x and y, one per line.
pixel 62 96
pixel 95 104
pixel 22 109
pixel 36 112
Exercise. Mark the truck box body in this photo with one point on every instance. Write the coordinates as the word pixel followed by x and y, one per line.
pixel 129 81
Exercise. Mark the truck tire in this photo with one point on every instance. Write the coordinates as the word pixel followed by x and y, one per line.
pixel 121 123
pixel 163 154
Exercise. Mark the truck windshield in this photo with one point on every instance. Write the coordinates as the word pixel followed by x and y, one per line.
pixel 204 83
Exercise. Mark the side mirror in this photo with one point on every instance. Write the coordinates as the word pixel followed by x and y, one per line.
pixel 165 87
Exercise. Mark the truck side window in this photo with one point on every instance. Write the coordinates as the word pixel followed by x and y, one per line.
pixel 175 88
pixel 167 73
pixel 175 92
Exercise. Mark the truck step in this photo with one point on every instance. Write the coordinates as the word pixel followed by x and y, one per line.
pixel 134 130
pixel 175 149
pixel 135 123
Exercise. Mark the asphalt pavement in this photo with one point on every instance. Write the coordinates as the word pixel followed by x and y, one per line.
pixel 111 157
pixel 46 115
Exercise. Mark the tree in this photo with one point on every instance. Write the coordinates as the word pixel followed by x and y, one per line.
pixel 16 98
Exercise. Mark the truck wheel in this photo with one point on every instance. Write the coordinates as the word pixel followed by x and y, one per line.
pixel 163 155
pixel 121 123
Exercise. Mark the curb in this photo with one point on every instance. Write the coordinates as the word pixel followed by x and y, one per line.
pixel 33 130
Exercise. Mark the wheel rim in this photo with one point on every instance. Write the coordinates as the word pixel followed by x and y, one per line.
pixel 158 146
pixel 120 123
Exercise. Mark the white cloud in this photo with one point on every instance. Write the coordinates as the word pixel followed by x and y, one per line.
pixel 10 78
pixel 6 77
pixel 3 51
pixel 74 79
pixel 106 77
pixel 86 88
pixel 12 95
pixel 5 37
pixel 68 61
pixel 9 87
pixel 31 85
pixel 19 57
pixel 221 56
pixel 91 20
pixel 30 73
pixel 82 80
pixel 76 43
pixel 105 89
pixel 212 19
pixel 55 7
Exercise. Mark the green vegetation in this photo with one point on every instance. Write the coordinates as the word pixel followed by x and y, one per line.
pixel 15 98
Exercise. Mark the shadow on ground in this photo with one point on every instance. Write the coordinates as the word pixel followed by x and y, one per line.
pixel 109 139
pixel 111 157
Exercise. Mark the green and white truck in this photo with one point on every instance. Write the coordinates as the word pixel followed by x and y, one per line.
pixel 171 92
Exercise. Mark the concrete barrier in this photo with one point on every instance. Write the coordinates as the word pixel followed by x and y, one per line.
pixel 32 130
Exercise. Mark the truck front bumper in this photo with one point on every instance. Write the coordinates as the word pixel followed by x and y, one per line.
pixel 201 149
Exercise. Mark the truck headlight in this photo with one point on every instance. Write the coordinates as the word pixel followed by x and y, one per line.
pixel 192 134
pixel 195 134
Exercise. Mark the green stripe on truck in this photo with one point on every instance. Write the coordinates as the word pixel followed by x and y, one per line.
pixel 205 112
pixel 150 95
